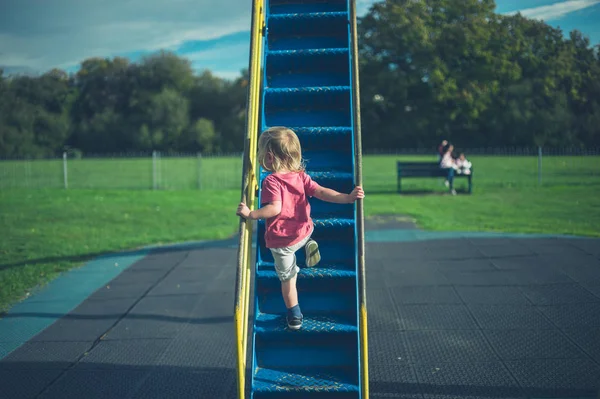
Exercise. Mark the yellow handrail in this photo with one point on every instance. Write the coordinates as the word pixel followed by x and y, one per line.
pixel 249 188
pixel 362 294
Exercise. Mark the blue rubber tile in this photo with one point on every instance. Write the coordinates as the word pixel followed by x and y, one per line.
pixel 424 295
pixel 509 317
pixel 557 378
pixel 558 294
pixel 95 384
pixel 387 347
pixel 25 384
pixel 532 344
pixel 393 381
pixel 587 339
pixel 449 346
pixel 583 315
pixel 436 317
pixel 492 295
pixel 467 380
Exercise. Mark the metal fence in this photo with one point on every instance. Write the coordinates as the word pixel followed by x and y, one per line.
pixel 509 167
pixel 125 171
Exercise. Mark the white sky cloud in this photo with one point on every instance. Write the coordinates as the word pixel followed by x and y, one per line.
pixel 556 10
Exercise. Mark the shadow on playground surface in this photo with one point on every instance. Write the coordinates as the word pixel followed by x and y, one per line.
pixel 451 315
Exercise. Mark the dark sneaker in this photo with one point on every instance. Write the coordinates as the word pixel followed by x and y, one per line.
pixel 313 256
pixel 294 322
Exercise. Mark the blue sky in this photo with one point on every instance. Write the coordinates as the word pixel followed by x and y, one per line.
pixel 37 35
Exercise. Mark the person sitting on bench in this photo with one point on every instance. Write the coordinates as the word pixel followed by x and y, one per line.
pixel 447 163
pixel 463 166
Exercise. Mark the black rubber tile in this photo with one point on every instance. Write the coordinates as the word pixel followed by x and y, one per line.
pixel 541 275
pixel 583 315
pixel 95 384
pixel 393 381
pixel 467 380
pixel 481 278
pixel 517 262
pixel 532 344
pixel 493 295
pixel 588 245
pixel 585 274
pixel 116 290
pixel 401 278
pixel 387 347
pixel 381 312
pixel 149 277
pixel 504 251
pixel 509 317
pixel 587 339
pixel 554 247
pixel 177 383
pixel 88 322
pixel 450 346
pixel 493 241
pixel 124 354
pixel 436 317
pixel 557 294
pixel 155 317
pixel 22 383
pixel 593 288
pixel 45 355
pixel 204 348
pixel 424 295
pixel 465 265
pixel 557 378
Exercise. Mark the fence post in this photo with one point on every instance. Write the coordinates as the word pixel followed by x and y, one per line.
pixel 65 176
pixel 540 165
pixel 198 170
pixel 154 170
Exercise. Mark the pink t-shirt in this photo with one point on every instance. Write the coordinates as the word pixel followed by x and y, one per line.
pixel 294 222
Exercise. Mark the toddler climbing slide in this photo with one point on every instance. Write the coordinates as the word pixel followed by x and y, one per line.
pixel 304 75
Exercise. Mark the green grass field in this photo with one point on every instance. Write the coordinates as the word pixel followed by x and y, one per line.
pixel 49 230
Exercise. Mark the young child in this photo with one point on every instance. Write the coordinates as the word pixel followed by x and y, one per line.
pixel 463 166
pixel 289 227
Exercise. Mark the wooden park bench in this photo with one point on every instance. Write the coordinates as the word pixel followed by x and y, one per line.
pixel 426 169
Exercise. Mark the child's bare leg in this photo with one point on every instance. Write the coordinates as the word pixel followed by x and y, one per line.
pixel 289 292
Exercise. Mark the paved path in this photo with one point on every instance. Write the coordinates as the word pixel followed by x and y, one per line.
pixel 450 316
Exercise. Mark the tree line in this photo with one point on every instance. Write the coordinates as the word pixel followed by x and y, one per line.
pixel 429 70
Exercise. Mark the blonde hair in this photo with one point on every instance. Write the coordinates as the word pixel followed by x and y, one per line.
pixel 284 146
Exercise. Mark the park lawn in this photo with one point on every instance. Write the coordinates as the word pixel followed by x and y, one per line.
pixel 48 231
pixel 506 196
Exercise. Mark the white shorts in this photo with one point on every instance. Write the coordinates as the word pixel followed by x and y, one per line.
pixel 285 259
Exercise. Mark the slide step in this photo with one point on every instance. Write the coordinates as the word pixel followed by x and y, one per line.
pixel 269 324
pixel 306 381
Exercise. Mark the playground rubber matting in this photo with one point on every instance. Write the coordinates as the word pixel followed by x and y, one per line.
pixel 451 315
